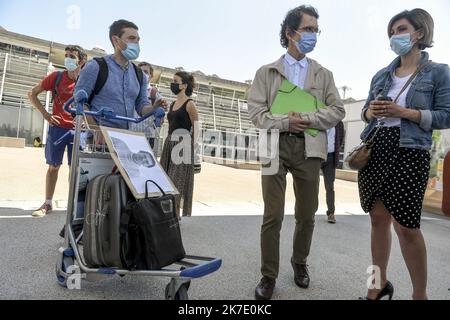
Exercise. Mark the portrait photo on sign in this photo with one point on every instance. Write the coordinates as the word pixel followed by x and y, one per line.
pixel 136 162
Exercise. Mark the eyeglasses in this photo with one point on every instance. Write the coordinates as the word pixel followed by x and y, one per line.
pixel 309 30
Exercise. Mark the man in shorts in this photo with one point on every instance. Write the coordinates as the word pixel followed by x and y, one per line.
pixel 62 85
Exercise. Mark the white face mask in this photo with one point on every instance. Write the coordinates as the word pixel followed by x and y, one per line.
pixel 71 64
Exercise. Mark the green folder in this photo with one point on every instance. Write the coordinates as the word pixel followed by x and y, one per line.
pixel 291 98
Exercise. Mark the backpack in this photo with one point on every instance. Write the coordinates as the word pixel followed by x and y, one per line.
pixel 102 77
pixel 56 85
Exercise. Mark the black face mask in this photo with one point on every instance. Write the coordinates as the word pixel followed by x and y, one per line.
pixel 175 88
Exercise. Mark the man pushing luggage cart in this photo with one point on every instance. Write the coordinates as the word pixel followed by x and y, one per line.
pixel 113 221
pixel 117 255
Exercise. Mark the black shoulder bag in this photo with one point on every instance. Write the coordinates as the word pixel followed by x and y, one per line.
pixel 151 237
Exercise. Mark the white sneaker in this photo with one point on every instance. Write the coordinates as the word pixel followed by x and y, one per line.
pixel 43 210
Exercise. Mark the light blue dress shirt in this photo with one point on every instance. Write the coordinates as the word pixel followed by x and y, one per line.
pixel 121 92
pixel 331 134
pixel 295 70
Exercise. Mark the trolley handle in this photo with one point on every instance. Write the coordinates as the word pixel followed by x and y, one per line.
pixel 107 113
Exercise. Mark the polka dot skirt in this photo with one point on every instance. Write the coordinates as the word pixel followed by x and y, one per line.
pixel 397 176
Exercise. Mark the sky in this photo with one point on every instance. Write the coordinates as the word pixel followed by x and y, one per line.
pixel 231 38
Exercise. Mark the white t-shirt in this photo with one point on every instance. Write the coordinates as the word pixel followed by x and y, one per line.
pixel 397 85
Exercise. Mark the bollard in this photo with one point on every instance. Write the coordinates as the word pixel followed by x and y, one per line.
pixel 446 183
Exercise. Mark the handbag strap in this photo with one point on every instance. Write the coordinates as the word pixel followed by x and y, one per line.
pixel 370 142
pixel 146 188
pixel 410 80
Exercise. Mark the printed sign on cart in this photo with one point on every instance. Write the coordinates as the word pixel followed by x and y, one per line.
pixel 137 162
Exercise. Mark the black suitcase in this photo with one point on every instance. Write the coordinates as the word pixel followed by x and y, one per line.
pixel 151 237
pixel 106 199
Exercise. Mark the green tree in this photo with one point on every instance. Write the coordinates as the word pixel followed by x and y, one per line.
pixel 435 153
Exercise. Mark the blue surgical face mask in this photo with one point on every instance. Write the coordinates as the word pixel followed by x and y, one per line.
pixel 307 42
pixel 71 64
pixel 401 44
pixel 132 51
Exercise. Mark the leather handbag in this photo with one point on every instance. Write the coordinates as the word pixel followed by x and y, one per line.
pixel 359 157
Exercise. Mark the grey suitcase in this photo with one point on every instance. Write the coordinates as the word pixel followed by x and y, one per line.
pixel 106 199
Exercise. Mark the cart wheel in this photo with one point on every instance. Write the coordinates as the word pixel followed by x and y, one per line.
pixel 62 281
pixel 60 270
pixel 60 278
pixel 181 294
pixel 188 284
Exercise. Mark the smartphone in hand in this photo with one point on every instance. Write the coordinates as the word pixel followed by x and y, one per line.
pixel 383 98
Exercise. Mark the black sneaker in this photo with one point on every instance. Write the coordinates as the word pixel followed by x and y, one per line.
pixel 331 219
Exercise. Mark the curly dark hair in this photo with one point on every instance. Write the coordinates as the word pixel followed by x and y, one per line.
pixel 187 78
pixel 143 64
pixel 293 20
pixel 81 52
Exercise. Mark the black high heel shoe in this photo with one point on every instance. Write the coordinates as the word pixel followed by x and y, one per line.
pixel 388 290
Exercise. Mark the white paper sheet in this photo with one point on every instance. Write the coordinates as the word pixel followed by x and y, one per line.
pixel 138 160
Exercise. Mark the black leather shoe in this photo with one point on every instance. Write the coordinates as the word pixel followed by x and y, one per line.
pixel 264 290
pixel 301 275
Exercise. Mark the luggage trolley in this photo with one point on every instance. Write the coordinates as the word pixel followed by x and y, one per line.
pixel 70 257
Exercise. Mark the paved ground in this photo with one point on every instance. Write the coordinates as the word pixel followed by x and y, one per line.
pixel 339 259
pixel 24 171
pixel 226 224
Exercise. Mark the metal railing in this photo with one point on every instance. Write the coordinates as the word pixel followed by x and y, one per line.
pixel 229 114
pixel 18 76
pixel 20 73
pixel 2 85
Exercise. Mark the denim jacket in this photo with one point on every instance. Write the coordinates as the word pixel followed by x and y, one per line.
pixel 429 93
